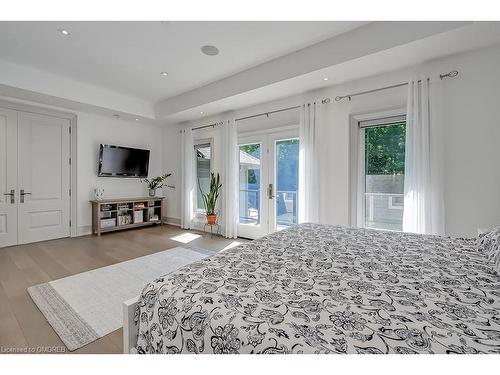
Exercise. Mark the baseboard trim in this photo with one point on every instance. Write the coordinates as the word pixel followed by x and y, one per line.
pixel 172 221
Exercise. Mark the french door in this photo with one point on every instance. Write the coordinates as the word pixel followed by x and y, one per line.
pixel 34 177
pixel 268 183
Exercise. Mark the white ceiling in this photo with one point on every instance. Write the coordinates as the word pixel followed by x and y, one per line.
pixel 114 67
pixel 473 36
pixel 128 57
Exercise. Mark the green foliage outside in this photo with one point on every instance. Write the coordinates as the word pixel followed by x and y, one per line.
pixel 385 150
pixel 250 149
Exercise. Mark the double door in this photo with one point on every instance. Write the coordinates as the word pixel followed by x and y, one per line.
pixel 268 183
pixel 34 177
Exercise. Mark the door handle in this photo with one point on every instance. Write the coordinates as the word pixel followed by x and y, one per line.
pixel 22 193
pixel 12 196
pixel 270 191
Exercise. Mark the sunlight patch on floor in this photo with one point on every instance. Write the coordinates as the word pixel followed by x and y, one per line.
pixel 186 237
pixel 231 245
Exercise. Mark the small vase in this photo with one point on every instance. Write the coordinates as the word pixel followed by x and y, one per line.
pixel 98 193
pixel 152 192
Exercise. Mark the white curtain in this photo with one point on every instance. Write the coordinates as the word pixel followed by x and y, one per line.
pixel 309 163
pixel 187 183
pixel 423 201
pixel 230 160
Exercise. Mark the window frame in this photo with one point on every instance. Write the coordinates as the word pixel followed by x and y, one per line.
pixel 357 125
pixel 199 212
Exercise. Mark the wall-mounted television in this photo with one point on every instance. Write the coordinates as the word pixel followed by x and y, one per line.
pixel 118 161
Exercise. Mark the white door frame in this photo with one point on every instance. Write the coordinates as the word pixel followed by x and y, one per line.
pixel 73 151
pixel 267 139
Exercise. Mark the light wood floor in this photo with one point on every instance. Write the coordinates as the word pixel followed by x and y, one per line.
pixel 22 325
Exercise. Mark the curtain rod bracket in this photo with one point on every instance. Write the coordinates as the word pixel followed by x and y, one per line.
pixel 451 74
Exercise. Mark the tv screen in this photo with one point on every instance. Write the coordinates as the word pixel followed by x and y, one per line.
pixel 117 161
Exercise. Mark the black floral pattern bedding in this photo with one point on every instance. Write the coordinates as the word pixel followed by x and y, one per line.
pixel 327 289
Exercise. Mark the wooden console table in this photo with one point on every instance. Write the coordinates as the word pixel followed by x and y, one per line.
pixel 124 213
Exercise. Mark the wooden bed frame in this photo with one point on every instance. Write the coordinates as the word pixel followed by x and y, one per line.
pixel 130 331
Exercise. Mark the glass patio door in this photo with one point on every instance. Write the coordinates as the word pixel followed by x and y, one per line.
pixel 268 183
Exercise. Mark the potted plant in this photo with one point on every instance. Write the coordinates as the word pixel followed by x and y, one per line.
pixel 210 199
pixel 155 183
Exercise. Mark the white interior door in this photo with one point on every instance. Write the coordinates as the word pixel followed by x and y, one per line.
pixel 43 177
pixel 268 177
pixel 8 177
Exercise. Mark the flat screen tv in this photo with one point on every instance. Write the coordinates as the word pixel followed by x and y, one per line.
pixel 118 161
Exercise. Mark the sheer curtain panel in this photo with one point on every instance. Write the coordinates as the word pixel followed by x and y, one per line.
pixel 187 182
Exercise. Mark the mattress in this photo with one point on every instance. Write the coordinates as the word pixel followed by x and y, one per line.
pixel 327 289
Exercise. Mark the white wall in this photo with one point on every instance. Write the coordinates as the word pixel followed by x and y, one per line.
pixel 471 148
pixel 172 164
pixel 472 161
pixel 95 129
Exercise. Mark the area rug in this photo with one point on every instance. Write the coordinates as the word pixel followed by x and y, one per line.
pixel 84 307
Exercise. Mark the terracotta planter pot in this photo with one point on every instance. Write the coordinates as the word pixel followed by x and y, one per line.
pixel 211 219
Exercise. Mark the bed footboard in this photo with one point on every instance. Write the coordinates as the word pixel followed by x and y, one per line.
pixel 130 331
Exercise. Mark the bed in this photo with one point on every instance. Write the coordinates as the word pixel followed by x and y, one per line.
pixel 325 289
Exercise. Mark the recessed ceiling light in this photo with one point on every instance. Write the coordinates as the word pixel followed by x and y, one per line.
pixel 136 119
pixel 210 50
pixel 63 31
pixel 164 74
pixel 117 116
pixel 325 79
pixel 201 112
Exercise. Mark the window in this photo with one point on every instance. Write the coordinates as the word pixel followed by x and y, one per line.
pixel 250 165
pixel 203 154
pixel 287 182
pixel 381 172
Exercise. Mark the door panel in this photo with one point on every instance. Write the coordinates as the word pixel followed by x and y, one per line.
pixel 286 182
pixel 8 177
pixel 252 182
pixel 44 175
